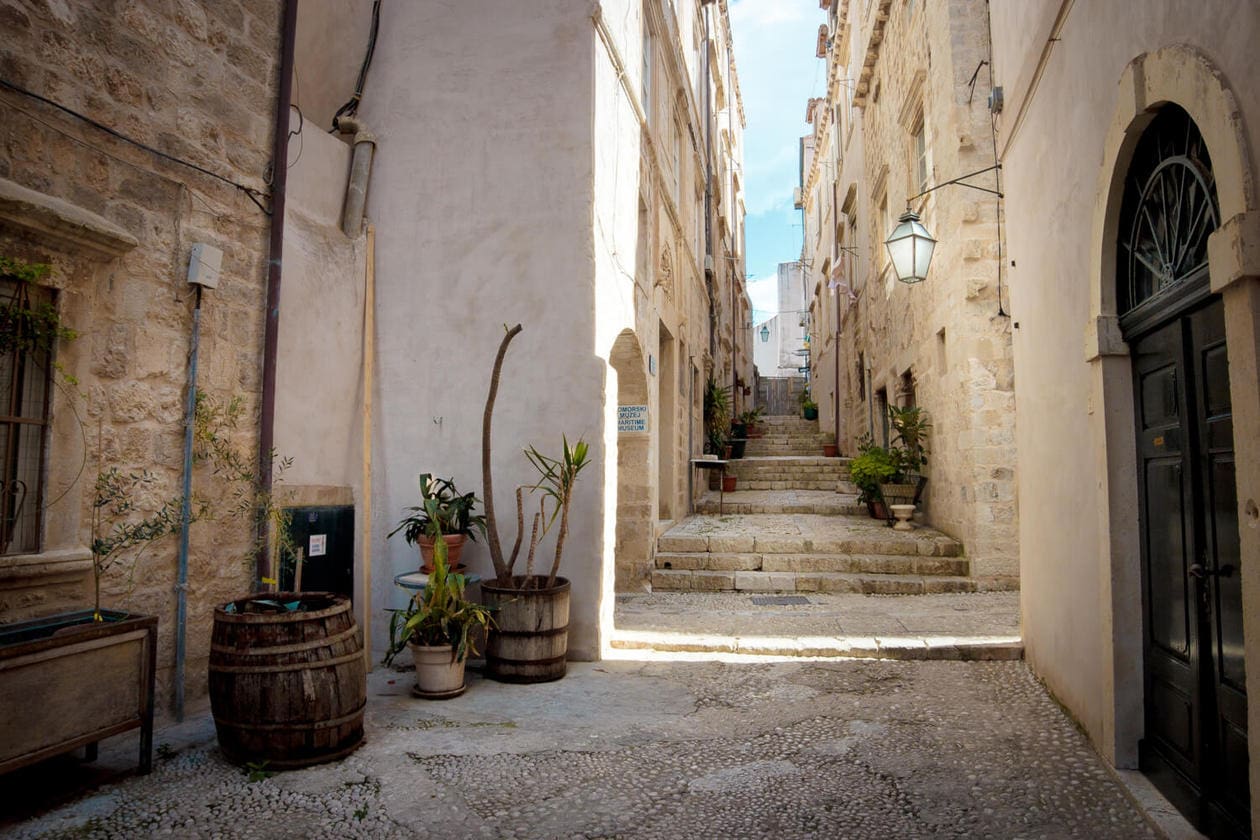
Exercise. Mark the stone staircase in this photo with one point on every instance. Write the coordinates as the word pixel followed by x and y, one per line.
pixel 786 435
pixel 793 524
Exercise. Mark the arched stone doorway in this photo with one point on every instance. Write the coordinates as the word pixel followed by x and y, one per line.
pixel 635 517
pixel 1170 360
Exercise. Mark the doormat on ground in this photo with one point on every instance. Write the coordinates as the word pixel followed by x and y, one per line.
pixel 779 600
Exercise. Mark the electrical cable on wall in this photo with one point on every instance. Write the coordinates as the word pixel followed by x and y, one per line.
pixel 352 104
pixel 251 193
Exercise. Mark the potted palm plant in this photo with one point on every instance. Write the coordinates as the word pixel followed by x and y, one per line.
pixel 529 640
pixel 437 625
pixel 443 511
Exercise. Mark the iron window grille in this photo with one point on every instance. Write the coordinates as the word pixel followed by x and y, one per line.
pixel 24 382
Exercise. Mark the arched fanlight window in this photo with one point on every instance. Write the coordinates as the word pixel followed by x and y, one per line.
pixel 1168 211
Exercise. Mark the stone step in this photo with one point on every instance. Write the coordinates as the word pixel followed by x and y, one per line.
pixel 906 648
pixel 824 500
pixel 758 449
pixel 812 563
pixel 704 580
pixel 788 467
pixel 802 534
pixel 835 485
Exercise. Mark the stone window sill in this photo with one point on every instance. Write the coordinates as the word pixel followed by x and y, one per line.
pixel 66 564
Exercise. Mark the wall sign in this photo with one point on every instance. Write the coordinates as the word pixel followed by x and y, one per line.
pixel 632 418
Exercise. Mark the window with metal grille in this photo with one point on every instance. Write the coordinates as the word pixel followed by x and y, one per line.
pixel 24 379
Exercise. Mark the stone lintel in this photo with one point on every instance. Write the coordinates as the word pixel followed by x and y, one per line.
pixel 67 225
pixel 1234 251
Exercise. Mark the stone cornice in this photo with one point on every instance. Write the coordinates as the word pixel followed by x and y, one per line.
pixel 873 41
pixel 55 220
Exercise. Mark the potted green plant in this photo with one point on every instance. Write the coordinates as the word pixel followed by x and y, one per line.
pixel 438 626
pixel 453 514
pixel 872 467
pixel 717 417
pixel 529 640
pixel 275 701
pixel 809 408
pixel 910 427
pixel 69 680
pixel 118 649
pixel 750 419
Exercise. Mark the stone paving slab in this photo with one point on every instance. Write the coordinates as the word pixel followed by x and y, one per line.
pixel 658 750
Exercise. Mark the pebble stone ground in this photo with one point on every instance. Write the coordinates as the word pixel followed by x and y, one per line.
pixel 838 749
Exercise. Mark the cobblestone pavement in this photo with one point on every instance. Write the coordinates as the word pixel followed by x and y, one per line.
pixel 659 750
pixel 987 614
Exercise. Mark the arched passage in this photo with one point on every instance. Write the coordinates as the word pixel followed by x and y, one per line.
pixel 635 516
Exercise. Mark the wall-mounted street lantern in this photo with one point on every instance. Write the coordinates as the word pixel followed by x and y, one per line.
pixel 765 333
pixel 910 246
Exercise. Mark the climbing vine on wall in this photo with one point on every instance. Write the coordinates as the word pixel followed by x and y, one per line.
pixel 28 325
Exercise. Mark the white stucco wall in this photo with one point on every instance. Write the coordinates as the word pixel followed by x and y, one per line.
pixel 319 363
pixel 1055 175
pixel 482 194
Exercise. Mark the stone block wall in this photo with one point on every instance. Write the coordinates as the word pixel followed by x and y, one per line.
pixel 947 333
pixel 196 81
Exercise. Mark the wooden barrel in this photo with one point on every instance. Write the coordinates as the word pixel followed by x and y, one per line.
pixel 287 688
pixel 530 638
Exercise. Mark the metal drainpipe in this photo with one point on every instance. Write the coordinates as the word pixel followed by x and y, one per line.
pixel 181 587
pixel 360 174
pixel 279 180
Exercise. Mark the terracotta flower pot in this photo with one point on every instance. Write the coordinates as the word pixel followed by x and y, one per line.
pixel 454 547
pixel 830 450
pixel 728 484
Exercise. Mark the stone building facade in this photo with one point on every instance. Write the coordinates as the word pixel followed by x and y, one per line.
pixel 778 350
pixel 116 223
pixel 906 109
pixel 1139 386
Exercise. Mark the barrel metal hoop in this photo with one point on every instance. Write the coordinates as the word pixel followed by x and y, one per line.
pixel 295 666
pixel 555 631
pixel 352 631
pixel 500 661
pixel 291 727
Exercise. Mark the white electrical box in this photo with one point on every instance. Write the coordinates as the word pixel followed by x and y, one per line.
pixel 203 265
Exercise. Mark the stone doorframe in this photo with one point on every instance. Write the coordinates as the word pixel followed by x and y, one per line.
pixel 1183 76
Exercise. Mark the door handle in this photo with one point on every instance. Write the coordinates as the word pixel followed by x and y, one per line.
pixel 1198 571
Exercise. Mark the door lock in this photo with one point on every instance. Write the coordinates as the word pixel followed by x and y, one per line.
pixel 1198 571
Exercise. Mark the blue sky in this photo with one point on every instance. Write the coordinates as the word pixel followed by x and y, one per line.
pixel 778 73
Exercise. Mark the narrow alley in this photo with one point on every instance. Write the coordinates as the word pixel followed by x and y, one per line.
pixel 596 419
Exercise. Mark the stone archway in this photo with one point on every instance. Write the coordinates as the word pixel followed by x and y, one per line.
pixel 1173 75
pixel 635 515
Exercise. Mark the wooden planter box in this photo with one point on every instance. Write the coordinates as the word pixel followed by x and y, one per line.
pixel 67 681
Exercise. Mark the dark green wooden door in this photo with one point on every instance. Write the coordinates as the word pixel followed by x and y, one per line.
pixel 1195 748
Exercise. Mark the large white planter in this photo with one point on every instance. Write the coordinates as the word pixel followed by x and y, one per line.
pixel 437 677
